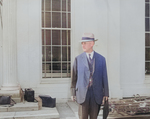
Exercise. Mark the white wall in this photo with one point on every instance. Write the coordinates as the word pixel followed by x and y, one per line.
pixel 133 47
pixel 113 58
pixel 89 16
pixel 1 36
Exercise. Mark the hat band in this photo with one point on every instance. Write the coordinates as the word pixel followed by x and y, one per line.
pixel 87 38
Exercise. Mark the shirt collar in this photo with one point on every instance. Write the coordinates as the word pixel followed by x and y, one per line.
pixel 92 53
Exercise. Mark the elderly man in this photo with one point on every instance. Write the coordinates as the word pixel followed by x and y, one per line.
pixel 89 79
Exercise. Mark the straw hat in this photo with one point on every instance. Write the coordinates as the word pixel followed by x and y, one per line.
pixel 88 37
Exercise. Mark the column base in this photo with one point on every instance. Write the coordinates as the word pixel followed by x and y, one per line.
pixel 16 94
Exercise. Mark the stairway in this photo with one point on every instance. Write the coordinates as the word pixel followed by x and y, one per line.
pixel 28 110
pixel 68 110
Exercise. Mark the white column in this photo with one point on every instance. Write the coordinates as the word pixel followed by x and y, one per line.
pixel 9 44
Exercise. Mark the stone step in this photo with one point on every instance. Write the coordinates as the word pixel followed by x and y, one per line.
pixel 26 106
pixel 44 113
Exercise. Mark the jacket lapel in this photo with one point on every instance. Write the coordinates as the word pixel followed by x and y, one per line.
pixel 84 60
pixel 95 67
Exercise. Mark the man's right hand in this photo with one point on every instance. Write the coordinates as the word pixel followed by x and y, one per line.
pixel 73 98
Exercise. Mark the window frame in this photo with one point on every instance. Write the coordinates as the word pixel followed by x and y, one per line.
pixel 59 79
pixel 146 75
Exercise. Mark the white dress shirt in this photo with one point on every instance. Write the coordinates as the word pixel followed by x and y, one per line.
pixel 92 53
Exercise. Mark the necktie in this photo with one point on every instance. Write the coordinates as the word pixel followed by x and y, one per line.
pixel 91 69
pixel 90 60
pixel 91 63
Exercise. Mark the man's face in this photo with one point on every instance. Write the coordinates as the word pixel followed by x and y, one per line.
pixel 87 46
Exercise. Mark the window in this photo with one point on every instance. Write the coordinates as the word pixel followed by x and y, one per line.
pixel 147 37
pixel 56 37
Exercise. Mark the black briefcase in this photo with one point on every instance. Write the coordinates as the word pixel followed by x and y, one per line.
pixel 29 95
pixel 4 100
pixel 48 101
pixel 105 109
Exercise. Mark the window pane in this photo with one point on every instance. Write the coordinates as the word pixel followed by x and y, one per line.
pixel 63 5
pixel 56 20
pixel 64 37
pixel 56 53
pixel 69 53
pixel 64 25
pixel 69 5
pixel 68 37
pixel 65 53
pixel 56 37
pixel 48 37
pixel 48 53
pixel 42 4
pixel 47 19
pixel 47 5
pixel 56 67
pixel 146 0
pixel 147 54
pixel 43 68
pixel 147 39
pixel 56 5
pixel 42 37
pixel 66 70
pixel 48 67
pixel 69 67
pixel 147 68
pixel 64 67
pixel 42 19
pixel 43 54
pixel 69 20
pixel 147 10
pixel 48 70
pixel 147 24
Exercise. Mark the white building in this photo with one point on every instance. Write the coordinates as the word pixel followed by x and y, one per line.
pixel 39 40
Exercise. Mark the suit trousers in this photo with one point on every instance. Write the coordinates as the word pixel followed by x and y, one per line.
pixel 89 107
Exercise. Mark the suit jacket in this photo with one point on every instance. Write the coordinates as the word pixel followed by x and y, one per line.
pixel 81 75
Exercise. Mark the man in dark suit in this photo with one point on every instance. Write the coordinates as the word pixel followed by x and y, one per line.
pixel 89 79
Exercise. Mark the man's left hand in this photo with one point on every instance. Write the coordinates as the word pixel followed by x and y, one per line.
pixel 104 98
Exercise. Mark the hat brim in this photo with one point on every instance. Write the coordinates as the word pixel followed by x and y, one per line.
pixel 87 40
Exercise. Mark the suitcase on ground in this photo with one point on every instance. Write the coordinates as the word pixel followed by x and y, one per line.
pixel 48 101
pixel 29 95
pixel 4 100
